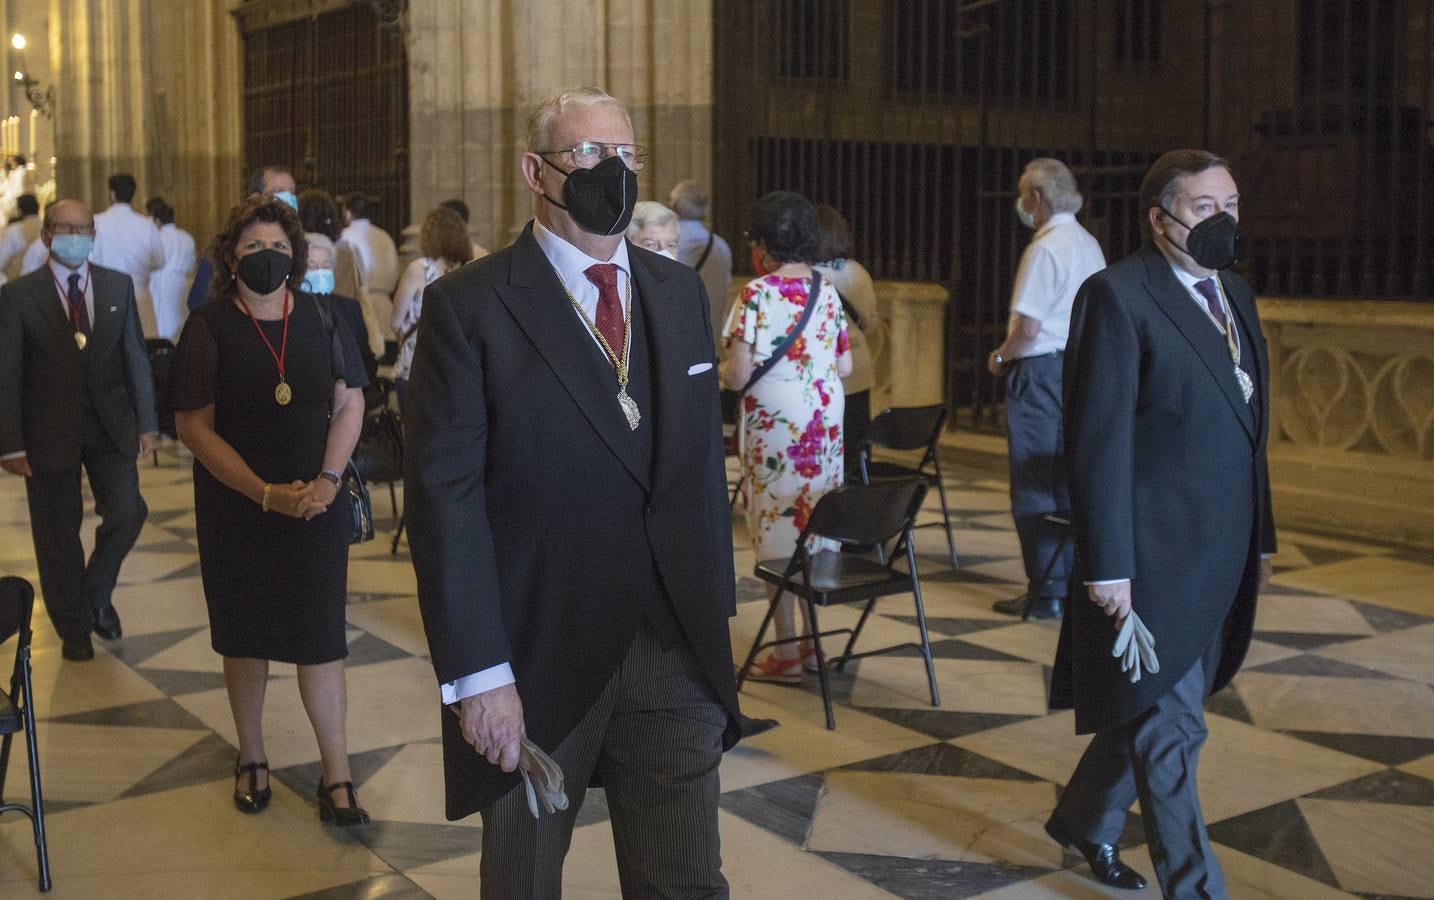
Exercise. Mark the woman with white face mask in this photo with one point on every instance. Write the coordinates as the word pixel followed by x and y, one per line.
pixel 654 227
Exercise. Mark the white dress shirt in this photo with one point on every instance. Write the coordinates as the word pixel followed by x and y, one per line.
pixel 128 241
pixel 61 287
pixel 378 266
pixel 1060 257
pixel 169 285
pixel 13 242
pixel 569 263
pixel 35 256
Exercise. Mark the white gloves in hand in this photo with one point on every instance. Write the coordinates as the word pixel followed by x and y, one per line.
pixel 543 779
pixel 1135 648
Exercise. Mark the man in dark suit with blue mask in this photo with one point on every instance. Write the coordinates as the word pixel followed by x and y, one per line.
pixel 76 392
pixel 1166 404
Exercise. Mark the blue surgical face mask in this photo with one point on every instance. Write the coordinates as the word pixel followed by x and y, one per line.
pixel 287 197
pixel 319 281
pixel 72 249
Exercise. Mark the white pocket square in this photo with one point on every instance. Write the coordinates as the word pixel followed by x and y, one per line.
pixel 698 369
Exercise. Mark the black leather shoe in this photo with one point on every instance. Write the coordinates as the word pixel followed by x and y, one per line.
pixel 107 623
pixel 252 800
pixel 1104 859
pixel 1041 607
pixel 342 816
pixel 78 651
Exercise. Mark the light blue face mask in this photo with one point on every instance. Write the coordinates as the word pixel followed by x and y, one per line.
pixel 287 197
pixel 319 281
pixel 72 249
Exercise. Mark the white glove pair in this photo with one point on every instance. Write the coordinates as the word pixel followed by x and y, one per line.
pixel 543 779
pixel 1135 647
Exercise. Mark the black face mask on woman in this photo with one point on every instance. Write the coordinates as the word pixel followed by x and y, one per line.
pixel 1211 243
pixel 264 270
pixel 599 199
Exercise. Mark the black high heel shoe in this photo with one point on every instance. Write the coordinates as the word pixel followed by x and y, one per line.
pixel 342 816
pixel 252 800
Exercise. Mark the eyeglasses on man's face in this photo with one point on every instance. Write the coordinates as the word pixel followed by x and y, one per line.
pixel 586 154
pixel 68 228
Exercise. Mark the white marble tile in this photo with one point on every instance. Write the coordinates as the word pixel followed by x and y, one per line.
pixel 1406 654
pixel 409 788
pixel 1309 614
pixel 936 817
pixel 63 687
pixel 194 654
pixel 966 685
pixel 1375 848
pixel 141 567
pixel 1348 705
pixel 162 606
pixel 1046 746
pixel 396 621
pixel 1034 640
pixel 1012 570
pixel 386 576
pixel 95 763
pixel 1396 583
pixel 389 703
pixel 1424 768
pixel 1290 535
pixel 1262 652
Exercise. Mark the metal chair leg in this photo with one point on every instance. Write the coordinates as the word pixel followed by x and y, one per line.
pixel 37 802
pixel 397 535
pixel 822 668
pixel 757 641
pixel 921 623
pixel 945 514
pixel 855 633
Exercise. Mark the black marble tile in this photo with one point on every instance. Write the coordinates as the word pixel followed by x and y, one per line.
pixel 1227 703
pixel 1302 641
pixel 959 649
pixel 920 879
pixel 210 759
pixel 19 792
pixel 162 516
pixel 954 627
pixel 1382 748
pixel 1382 618
pixel 941 759
pixel 382 887
pixel 408 845
pixel 750 589
pixel 175 546
pixel 303 779
pixel 941 724
pixel 784 808
pixel 189 571
pixel 356 597
pixel 175 682
pixel 1318 666
pixel 1276 834
pixel 1323 556
pixel 593 809
pixel 1389 786
pixel 163 713
pixel 135 649
pixel 366 649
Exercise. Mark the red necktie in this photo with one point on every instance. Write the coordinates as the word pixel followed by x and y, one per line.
pixel 79 315
pixel 609 318
pixel 1212 300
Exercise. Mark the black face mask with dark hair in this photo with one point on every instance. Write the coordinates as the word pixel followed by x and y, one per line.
pixel 264 270
pixel 1211 243
pixel 600 199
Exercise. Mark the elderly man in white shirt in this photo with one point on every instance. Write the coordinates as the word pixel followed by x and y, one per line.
pixel 128 240
pixel 18 236
pixel 377 258
pixel 169 284
pixel 1060 257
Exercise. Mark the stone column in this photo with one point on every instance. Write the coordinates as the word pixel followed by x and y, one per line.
pixel 476 69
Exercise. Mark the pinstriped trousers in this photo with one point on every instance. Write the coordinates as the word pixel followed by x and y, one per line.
pixel 654 739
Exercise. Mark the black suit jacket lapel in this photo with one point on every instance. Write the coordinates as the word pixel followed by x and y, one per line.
pixel 1175 301
pixel 46 298
pixel 659 312
pixel 1242 303
pixel 539 304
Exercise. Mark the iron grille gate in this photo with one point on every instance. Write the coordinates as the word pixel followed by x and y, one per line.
pixel 327 95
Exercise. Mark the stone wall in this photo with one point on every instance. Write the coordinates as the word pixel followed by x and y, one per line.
pixel 1352 428
pixel 476 69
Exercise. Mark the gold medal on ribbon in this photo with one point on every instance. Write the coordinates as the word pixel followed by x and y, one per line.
pixel 283 393
pixel 81 340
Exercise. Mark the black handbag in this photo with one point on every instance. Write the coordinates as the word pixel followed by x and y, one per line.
pixel 360 506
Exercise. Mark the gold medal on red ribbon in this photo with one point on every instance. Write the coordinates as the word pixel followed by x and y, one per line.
pixel 283 393
pixel 81 340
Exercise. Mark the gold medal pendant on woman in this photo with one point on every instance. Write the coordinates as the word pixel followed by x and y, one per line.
pixel 613 328
pixel 282 392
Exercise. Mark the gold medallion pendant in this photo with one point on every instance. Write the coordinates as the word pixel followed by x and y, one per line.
pixel 81 340
pixel 283 393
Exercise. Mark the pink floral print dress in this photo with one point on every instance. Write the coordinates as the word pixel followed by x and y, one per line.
pixel 790 429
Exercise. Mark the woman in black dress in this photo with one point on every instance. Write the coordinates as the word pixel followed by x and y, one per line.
pixel 268 397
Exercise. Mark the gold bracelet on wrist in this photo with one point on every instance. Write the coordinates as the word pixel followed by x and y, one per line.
pixel 266 497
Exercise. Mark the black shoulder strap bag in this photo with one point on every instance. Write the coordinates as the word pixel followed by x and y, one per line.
pixel 792 335
pixel 360 504
pixel 706 251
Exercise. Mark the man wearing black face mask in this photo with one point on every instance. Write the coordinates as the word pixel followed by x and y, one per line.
pixel 1166 423
pixel 569 524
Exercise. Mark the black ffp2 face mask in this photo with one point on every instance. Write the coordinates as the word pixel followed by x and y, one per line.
pixel 600 199
pixel 264 270
pixel 1211 242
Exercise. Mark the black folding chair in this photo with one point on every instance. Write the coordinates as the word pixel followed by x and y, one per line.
pixel 161 357
pixel 378 457
pixel 1065 527
pixel 910 428
pixel 17 601
pixel 860 515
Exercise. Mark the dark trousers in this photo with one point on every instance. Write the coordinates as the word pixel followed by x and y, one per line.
pixel 73 590
pixel 1038 471
pixel 654 739
pixel 1152 758
pixel 856 422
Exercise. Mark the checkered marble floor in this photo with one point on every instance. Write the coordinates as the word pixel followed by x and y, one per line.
pixel 1317 779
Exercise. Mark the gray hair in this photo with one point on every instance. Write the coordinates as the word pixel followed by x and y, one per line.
pixel 1055 182
pixel 649 214
pixel 540 123
pixel 689 199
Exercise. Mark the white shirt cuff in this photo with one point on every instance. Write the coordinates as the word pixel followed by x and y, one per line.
pixel 489 679
pixel 18 454
pixel 1266 555
pixel 1109 581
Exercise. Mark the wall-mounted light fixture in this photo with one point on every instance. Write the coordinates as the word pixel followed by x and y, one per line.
pixel 39 99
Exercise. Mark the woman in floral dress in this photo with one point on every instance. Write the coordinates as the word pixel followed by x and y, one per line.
pixel 790 428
